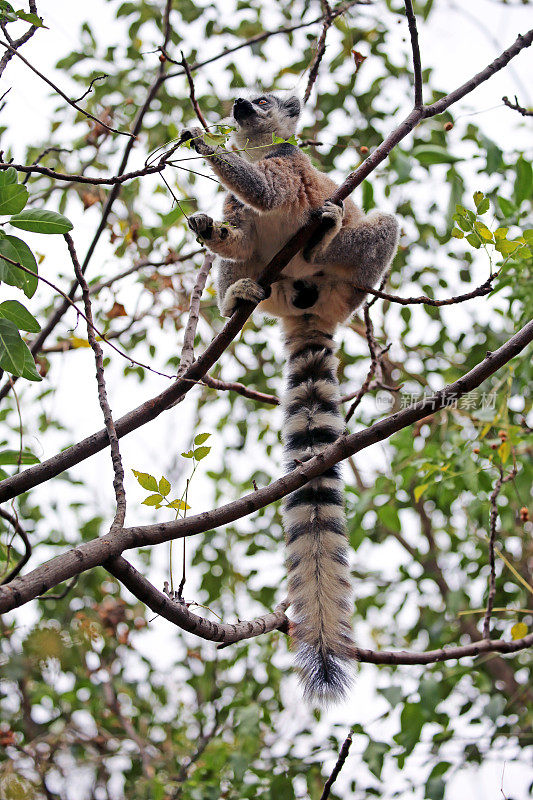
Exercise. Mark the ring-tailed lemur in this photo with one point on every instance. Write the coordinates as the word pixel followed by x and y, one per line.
pixel 273 191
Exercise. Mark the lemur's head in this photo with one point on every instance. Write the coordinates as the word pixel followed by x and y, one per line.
pixel 261 116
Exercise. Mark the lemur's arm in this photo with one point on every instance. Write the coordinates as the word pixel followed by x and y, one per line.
pixel 234 238
pixel 263 189
pixel 365 249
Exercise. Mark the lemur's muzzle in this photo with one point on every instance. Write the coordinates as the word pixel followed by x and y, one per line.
pixel 242 109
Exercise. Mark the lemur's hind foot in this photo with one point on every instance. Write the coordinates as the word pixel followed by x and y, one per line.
pixel 243 289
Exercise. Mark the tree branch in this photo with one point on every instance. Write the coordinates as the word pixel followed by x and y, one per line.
pixel 187 351
pixel 343 755
pixel 178 613
pixel 516 107
pixel 492 541
pixel 118 470
pixel 14 52
pixel 417 67
pixel 17 527
pixel 97 551
pixel 113 194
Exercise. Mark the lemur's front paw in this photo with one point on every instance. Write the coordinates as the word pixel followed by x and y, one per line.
pixel 243 289
pixel 196 138
pixel 191 134
pixel 201 225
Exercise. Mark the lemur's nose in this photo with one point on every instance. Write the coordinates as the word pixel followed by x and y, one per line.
pixel 239 101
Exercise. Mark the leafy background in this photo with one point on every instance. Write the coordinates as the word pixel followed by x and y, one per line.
pixel 100 699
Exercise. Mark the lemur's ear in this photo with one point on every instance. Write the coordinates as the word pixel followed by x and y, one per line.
pixel 292 106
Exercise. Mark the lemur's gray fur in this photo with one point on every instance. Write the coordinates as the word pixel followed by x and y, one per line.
pixel 272 191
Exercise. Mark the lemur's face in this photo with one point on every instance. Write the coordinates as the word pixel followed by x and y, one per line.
pixel 263 115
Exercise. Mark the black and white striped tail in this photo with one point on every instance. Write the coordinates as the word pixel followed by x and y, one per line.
pixel 314 519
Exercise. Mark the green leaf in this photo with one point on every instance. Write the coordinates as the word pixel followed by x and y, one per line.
pixel 500 233
pixel 17 313
pixel 457 233
pixel 12 355
pixel 482 202
pixel 463 222
pixel 146 480
pixel 374 756
pixel 180 505
pixel 508 209
pixel 505 247
pixel 518 631
pixel 188 454
pixel 13 198
pixel 41 221
pixel 389 517
pixel 523 187
pixel 12 457
pixel 164 486
pixel 153 500
pixel 201 452
pixel 29 370
pixel 528 235
pixel 483 231
pixel 474 240
pixel 14 248
pixel 201 438
pixel 8 176
pixel 427 154
pixel 32 18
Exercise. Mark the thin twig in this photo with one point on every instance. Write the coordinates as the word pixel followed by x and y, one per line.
pixel 78 310
pixel 116 180
pixel 187 351
pixel 60 595
pixel 89 90
pixel 417 67
pixel 118 481
pixel 60 92
pixel 516 107
pixel 240 388
pixel 19 530
pixel 482 290
pixel 492 542
pixel 113 194
pixel 6 58
pixel 261 37
pixel 192 93
pixel 343 755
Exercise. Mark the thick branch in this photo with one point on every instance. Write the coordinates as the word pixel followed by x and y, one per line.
pixel 97 551
pixel 179 614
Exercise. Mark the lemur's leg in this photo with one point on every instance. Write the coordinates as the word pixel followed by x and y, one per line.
pixel 234 284
pixel 227 240
pixel 262 189
pixel 366 249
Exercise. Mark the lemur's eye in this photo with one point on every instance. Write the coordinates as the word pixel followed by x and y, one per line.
pixel 262 102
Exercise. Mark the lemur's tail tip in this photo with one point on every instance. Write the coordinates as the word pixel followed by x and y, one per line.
pixel 326 678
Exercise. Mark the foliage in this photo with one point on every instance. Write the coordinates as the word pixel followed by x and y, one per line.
pixel 92 702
